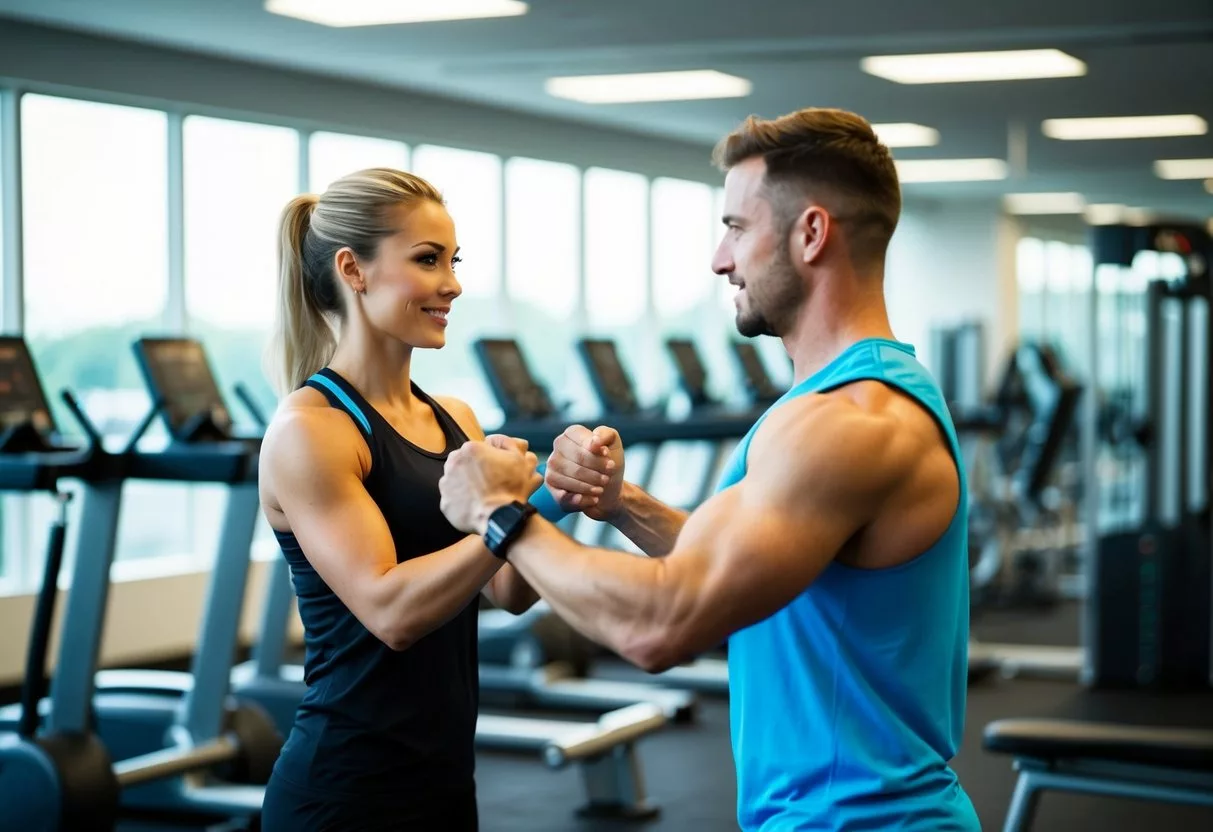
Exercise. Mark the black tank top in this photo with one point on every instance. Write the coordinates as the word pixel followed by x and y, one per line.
pixel 377 723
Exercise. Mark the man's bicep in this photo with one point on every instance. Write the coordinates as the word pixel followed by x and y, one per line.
pixel 746 556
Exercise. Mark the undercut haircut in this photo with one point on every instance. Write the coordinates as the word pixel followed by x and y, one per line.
pixel 828 156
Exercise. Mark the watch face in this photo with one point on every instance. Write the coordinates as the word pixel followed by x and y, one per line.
pixel 504 525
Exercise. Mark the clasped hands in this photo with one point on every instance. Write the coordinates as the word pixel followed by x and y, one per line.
pixel 584 473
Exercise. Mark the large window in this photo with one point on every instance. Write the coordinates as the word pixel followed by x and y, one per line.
pixel 616 254
pixel 238 178
pixel 682 232
pixel 333 155
pixel 470 183
pixel 684 288
pixel 96 240
pixel 543 274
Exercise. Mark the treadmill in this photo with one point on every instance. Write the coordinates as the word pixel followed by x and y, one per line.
pixel 180 379
pixel 614 387
pixel 692 376
pixel 762 391
pixel 167 747
pixel 512 659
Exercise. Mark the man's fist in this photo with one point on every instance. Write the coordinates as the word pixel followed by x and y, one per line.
pixel 585 471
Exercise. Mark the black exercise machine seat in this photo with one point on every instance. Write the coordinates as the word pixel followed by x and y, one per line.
pixel 1050 740
pixel 1166 765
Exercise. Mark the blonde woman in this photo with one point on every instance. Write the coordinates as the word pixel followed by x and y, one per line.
pixel 350 466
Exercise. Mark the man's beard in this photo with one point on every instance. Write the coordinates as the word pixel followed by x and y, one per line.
pixel 771 311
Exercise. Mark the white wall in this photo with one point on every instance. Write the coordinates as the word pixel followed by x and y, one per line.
pixel 953 262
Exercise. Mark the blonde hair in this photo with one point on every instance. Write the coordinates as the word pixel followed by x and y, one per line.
pixel 356 213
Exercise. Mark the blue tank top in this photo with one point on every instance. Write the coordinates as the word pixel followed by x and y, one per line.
pixel 379 725
pixel 847 704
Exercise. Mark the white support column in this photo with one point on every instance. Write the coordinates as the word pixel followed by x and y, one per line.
pixel 175 319
pixel 11 267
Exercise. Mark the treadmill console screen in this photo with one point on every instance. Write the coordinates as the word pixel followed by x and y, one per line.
pixel 609 376
pixel 691 372
pixel 22 400
pixel 176 371
pixel 756 376
pixel 512 380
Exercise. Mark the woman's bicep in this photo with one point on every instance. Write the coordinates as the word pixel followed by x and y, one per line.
pixel 318 486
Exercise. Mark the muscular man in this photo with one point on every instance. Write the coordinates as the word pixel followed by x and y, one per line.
pixel 832 557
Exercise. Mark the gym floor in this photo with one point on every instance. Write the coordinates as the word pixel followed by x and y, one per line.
pixel 689 769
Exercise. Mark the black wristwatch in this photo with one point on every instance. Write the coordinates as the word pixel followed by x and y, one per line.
pixel 505 525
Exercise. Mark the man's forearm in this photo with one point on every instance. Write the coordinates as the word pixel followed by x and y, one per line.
pixel 612 598
pixel 646 521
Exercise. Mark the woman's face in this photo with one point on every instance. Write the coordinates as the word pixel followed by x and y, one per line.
pixel 411 284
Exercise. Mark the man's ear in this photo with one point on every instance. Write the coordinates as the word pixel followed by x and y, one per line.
pixel 809 234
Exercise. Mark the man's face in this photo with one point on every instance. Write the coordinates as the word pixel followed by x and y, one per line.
pixel 754 254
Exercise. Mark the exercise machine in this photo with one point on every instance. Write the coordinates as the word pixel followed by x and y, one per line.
pixel 515 657
pixel 61 770
pixel 1149 604
pixel 708 422
pixel 1160 566
pixel 179 378
pixel 760 388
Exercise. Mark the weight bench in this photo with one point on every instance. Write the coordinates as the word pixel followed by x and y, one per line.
pixel 1171 765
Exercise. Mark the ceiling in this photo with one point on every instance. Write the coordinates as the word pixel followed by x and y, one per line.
pixel 1142 60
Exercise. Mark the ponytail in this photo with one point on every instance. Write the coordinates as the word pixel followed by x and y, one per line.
pixel 304 341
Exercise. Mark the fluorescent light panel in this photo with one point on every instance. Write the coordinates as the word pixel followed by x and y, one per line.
pixel 1105 213
pixel 957 67
pixel 648 86
pixel 1045 203
pixel 1184 168
pixel 342 13
pixel 1126 127
pixel 951 170
pixel 903 134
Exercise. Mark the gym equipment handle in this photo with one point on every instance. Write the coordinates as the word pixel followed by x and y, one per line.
pixel 86 424
pixel 156 409
pixel 40 634
pixel 173 761
pixel 250 404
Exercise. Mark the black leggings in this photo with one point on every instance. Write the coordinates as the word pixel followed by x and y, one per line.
pixel 288 808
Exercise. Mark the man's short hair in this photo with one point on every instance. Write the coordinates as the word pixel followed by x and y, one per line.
pixel 831 156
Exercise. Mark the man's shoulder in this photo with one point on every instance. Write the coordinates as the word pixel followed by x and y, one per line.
pixel 836 440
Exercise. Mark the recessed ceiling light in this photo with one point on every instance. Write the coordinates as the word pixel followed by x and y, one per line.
pixel 1044 203
pixel 1126 127
pixel 648 86
pixel 906 135
pixel 951 170
pixel 1138 216
pixel 1105 213
pixel 1184 168
pixel 341 13
pixel 956 67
